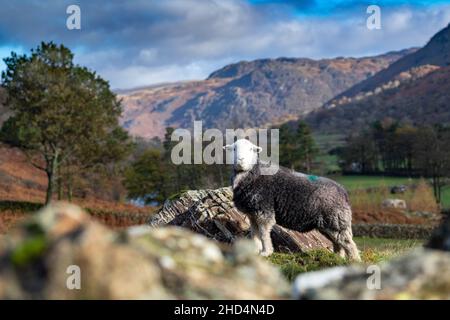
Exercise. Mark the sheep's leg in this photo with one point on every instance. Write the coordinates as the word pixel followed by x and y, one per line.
pixel 333 236
pixel 343 243
pixel 346 239
pixel 255 234
pixel 265 225
pixel 338 249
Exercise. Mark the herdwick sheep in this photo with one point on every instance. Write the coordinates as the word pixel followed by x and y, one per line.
pixel 291 199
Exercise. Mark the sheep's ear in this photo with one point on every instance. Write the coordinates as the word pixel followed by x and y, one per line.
pixel 257 149
pixel 227 147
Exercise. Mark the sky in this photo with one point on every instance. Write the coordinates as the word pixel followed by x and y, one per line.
pixel 143 42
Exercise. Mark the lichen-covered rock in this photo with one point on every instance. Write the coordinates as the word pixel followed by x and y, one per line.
pixel 138 263
pixel 422 274
pixel 194 267
pixel 213 214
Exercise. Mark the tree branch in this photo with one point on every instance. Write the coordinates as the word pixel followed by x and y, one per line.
pixel 34 164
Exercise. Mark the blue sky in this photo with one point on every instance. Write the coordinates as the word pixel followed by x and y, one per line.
pixel 141 42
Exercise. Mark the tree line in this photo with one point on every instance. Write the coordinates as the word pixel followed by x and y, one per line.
pixel 391 148
pixel 152 177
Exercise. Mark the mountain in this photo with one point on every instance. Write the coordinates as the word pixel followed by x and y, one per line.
pixel 415 89
pixel 425 100
pixel 436 53
pixel 247 94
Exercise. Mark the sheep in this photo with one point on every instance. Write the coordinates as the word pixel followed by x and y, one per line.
pixel 291 199
pixel 394 203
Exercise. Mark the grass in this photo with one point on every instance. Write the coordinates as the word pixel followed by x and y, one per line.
pixel 373 251
pixel 446 198
pixel 292 264
pixel 328 163
pixel 363 182
pixel 367 204
pixel 376 250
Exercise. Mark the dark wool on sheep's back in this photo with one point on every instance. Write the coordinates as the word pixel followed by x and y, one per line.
pixel 299 201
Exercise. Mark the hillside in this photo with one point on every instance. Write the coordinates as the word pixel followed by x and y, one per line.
pixel 421 101
pixel 247 94
pixel 20 182
pixel 414 89
pixel 436 53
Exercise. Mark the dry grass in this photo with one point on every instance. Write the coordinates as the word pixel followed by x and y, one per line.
pixel 368 200
pixel 422 199
pixel 367 205
pixel 23 188
pixel 113 215
pixel 390 216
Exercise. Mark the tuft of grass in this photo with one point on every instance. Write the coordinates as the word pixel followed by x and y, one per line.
pixel 422 198
pixel 372 250
pixel 376 250
pixel 292 264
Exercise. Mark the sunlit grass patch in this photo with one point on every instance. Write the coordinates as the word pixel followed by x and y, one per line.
pixel 292 264
pixel 372 250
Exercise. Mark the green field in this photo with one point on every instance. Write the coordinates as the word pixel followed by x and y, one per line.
pixel 446 198
pixel 363 182
pixel 373 250
pixel 326 142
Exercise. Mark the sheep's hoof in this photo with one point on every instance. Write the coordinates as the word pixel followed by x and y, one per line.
pixel 265 253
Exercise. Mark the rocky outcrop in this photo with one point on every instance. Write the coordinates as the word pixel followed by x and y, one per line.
pixel 422 274
pixel 213 214
pixel 406 76
pixel 42 257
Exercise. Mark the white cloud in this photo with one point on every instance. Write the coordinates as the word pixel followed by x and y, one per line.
pixel 143 42
pixel 244 34
pixel 139 76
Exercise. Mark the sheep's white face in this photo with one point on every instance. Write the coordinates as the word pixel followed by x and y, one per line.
pixel 245 154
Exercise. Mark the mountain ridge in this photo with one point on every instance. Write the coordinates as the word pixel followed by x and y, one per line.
pixel 424 101
pixel 413 90
pixel 435 52
pixel 248 93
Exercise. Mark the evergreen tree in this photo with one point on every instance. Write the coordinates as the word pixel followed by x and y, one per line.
pixel 62 112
